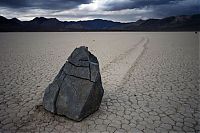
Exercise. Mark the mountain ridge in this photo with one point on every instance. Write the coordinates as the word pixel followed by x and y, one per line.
pixel 42 24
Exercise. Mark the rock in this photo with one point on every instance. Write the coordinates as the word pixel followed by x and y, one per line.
pixel 76 91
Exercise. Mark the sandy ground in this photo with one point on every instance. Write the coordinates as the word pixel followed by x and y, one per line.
pixel 150 81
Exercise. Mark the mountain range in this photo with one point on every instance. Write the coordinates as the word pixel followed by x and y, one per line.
pixel 41 24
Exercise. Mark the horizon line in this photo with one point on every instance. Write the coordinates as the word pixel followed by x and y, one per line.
pixel 92 19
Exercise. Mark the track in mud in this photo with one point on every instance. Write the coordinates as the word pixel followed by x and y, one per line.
pixel 114 72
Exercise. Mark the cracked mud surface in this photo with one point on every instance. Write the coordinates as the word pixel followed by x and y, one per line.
pixel 150 83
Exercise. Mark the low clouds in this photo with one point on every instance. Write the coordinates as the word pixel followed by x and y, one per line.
pixel 117 10
pixel 185 7
pixel 131 4
pixel 43 4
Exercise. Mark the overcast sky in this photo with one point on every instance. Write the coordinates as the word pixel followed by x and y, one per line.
pixel 116 10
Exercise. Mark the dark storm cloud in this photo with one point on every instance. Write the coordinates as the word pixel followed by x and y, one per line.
pixel 183 8
pixel 159 8
pixel 42 4
pixel 117 10
pixel 13 3
pixel 131 4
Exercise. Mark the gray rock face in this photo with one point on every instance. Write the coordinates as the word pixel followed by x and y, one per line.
pixel 76 91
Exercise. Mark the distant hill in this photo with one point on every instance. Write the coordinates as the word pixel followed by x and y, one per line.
pixel 41 24
pixel 174 23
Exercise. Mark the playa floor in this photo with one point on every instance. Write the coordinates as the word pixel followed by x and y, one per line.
pixel 150 81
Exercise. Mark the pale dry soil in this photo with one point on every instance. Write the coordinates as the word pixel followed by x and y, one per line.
pixel 150 81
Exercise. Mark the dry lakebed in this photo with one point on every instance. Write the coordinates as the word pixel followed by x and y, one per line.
pixel 150 81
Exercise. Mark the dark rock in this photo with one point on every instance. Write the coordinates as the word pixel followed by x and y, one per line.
pixel 50 96
pixel 76 91
pixel 80 57
pixel 81 72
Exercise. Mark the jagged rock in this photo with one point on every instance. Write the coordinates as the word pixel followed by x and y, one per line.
pixel 76 91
